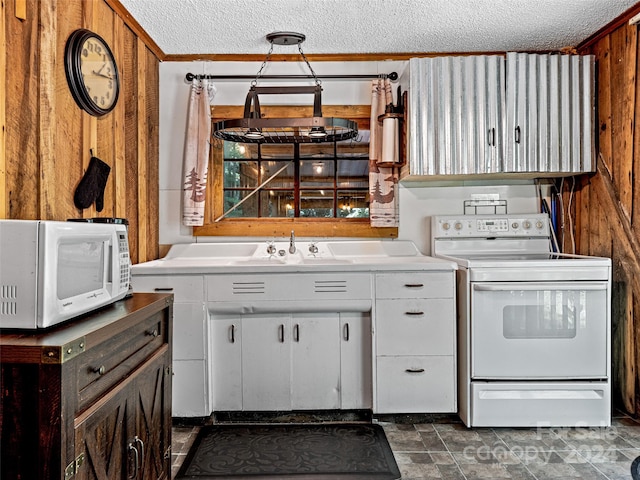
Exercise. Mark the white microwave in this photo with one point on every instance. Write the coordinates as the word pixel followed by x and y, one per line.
pixel 53 271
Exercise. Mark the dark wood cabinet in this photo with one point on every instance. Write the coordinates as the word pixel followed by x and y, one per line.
pixel 90 399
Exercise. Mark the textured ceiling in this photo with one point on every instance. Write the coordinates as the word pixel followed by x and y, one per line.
pixel 372 26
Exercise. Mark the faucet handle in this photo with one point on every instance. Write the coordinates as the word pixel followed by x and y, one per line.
pixel 313 248
pixel 271 248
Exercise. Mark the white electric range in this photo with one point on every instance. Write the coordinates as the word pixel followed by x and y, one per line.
pixel 534 326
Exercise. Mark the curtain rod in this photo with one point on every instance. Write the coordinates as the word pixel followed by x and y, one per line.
pixel 393 76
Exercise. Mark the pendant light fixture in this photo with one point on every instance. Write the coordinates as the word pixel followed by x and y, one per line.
pixel 252 128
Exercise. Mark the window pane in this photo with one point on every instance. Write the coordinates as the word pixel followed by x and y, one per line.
pixel 234 150
pixel 248 209
pixel 316 173
pixel 284 179
pixel 353 204
pixel 275 152
pixel 240 174
pixel 317 150
pixel 357 147
pixel 276 203
pixel 316 203
pixel 353 173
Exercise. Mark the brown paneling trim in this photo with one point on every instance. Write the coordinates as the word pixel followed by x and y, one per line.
pixel 319 57
pixel 137 29
pixel 119 147
pixel 3 116
pixel 585 45
pixel 142 154
pixel 304 227
pixel 47 62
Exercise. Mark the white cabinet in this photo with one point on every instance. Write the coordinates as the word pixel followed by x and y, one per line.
pixel 415 343
pixel 530 114
pixel 190 385
pixel 225 363
pixel 355 361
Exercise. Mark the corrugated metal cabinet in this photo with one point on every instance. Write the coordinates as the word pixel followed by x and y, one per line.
pixel 527 114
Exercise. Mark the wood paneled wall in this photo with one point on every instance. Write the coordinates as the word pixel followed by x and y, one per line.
pixel 608 202
pixel 47 138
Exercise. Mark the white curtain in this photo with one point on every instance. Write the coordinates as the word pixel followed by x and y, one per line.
pixel 383 147
pixel 196 152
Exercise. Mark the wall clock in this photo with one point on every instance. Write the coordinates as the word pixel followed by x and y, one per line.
pixel 91 72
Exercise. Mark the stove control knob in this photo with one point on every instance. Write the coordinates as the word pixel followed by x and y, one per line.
pixel 446 226
pixel 515 225
pixel 526 224
pixel 539 225
pixel 458 226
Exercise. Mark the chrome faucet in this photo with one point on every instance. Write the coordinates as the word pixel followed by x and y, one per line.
pixel 292 243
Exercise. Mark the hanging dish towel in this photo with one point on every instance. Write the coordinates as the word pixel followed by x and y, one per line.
pixel 383 181
pixel 196 152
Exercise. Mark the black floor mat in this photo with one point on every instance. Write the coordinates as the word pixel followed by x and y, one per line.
pixel 292 451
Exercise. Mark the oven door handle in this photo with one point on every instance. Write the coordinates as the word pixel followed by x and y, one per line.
pixel 502 287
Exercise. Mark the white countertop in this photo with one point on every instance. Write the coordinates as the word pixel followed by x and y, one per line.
pixel 332 256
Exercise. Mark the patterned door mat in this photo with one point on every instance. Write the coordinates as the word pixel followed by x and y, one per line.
pixel 291 451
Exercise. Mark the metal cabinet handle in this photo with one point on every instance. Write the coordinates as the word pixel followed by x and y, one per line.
pixel 346 332
pixel 136 456
pixel 296 332
pixel 100 370
pixel 414 285
pixel 139 441
pixel 152 333
pixel 163 289
pixel 517 134
pixel 414 370
pixel 491 137
pixel 281 333
pixel 415 314
pixel 232 333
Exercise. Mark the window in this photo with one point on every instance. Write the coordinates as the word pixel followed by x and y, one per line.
pixel 322 180
pixel 323 192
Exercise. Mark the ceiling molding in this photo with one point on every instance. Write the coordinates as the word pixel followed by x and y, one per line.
pixel 586 45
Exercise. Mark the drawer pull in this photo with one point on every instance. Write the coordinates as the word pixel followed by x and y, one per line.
pixel 414 285
pixel 414 314
pixel 100 370
pixel 163 289
pixel 153 333
pixel 414 370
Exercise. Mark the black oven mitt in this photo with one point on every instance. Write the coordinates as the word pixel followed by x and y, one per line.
pixel 91 187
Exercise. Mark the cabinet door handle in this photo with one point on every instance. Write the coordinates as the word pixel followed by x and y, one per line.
pixel 281 333
pixel 415 314
pixel 346 332
pixel 232 333
pixel 414 285
pixel 136 464
pixel 414 370
pixel 517 134
pixel 491 137
pixel 139 441
pixel 296 332
pixel 163 289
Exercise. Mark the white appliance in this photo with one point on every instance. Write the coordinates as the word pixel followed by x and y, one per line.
pixel 53 271
pixel 534 326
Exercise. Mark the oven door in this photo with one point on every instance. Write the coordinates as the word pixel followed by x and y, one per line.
pixel 547 330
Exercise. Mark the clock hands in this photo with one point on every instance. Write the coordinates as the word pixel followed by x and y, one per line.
pixel 100 74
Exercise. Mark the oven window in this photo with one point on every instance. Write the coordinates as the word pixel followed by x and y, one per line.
pixel 553 314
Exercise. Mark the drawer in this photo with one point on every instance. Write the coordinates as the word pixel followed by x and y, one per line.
pixel 415 385
pixel 107 363
pixel 415 327
pixel 415 285
pixel 185 288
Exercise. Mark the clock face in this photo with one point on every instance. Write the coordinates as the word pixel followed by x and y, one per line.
pixel 92 72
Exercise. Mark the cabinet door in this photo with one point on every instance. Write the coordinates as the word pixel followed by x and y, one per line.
pixel 456 108
pixel 355 360
pixel 102 436
pixel 550 113
pixel 315 361
pixel 152 434
pixel 225 367
pixel 266 362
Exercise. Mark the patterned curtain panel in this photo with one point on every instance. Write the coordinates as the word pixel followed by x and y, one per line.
pixel 383 147
pixel 196 152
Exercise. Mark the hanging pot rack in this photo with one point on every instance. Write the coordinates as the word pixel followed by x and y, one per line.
pixel 393 76
pixel 253 128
